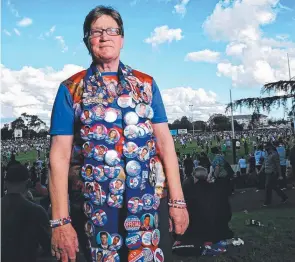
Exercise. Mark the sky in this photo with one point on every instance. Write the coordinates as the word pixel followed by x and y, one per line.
pixel 196 50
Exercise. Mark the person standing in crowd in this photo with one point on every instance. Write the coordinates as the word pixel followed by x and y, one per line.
pixel 283 162
pixel 246 147
pixel 24 225
pixel 242 165
pixel 129 102
pixel 272 169
pixel 259 155
pixel 188 165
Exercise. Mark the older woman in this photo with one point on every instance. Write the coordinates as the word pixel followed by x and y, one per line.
pixel 130 103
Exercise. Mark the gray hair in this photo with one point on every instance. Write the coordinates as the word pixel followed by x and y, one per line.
pixel 200 173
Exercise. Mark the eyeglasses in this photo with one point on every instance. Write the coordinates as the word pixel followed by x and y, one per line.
pixel 110 31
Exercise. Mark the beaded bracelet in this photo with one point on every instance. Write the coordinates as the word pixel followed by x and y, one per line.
pixel 176 206
pixel 60 222
pixel 178 202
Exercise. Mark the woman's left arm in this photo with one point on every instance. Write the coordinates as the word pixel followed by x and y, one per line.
pixel 166 151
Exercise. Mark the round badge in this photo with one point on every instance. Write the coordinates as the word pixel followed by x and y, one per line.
pixel 98 174
pixel 131 118
pixel 151 147
pixel 135 205
pixel 112 256
pixel 156 237
pixel 111 115
pixel 112 171
pixel 136 256
pixel 147 222
pixel 156 220
pixel 133 105
pixel 88 208
pixel 86 117
pixel 124 101
pixel 157 201
pixel 98 197
pixel 89 229
pixel 112 157
pixel 146 238
pixel 99 152
pixel 133 168
pixel 148 124
pixel 156 168
pixel 144 111
pixel 115 200
pixel 99 132
pixel 132 223
pixel 158 255
pixel 104 240
pixel 133 182
pixel 148 254
pixel 99 255
pixel 133 241
pixel 86 133
pixel 88 189
pixel 130 150
pixel 98 112
pixel 117 242
pixel 131 132
pixel 143 154
pixel 87 149
pixel 141 132
pixel 145 129
pixel 148 201
pixel 99 218
pixel 87 172
pixel 117 186
pixel 113 136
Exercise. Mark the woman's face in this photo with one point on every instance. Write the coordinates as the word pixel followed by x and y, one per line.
pixel 105 47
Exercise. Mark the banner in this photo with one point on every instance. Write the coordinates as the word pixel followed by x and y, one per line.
pixel 18 133
pixel 182 131
pixel 173 132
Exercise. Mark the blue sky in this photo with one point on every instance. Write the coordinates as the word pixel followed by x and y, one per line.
pixel 195 49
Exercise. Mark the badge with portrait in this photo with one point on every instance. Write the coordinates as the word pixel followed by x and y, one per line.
pixel 112 171
pixel 111 256
pixel 124 101
pixel 99 175
pixel 112 158
pixel 99 152
pixel 86 133
pixel 131 118
pixel 89 229
pixel 87 149
pixel 130 149
pixel 88 208
pixel 135 205
pixel 113 136
pixel 147 222
pixel 98 197
pixel 88 189
pixel 115 200
pixel 143 154
pixel 131 132
pixel 135 96
pixel 144 111
pixel 86 117
pixel 87 172
pixel 133 182
pixel 144 131
pixel 99 132
pixel 117 186
pixel 104 240
pixel 117 242
pixel 156 168
pixel 98 112
pixel 151 147
pixel 149 125
pixel 99 218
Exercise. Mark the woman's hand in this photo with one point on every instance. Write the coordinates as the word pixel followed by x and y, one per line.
pixel 180 219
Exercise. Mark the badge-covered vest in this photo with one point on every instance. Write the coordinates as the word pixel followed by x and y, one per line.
pixel 115 144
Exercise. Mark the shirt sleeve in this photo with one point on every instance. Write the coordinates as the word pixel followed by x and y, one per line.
pixel 158 106
pixel 62 117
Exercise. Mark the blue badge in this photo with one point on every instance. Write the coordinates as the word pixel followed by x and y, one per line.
pixel 132 223
pixel 86 117
pixel 151 147
pixel 98 197
pixel 99 218
pixel 88 208
pixel 117 186
pixel 156 220
pixel 115 200
pixel 130 150
pixel 113 136
pixel 133 168
pixel 133 182
pixel 89 229
pixel 147 222
pixel 157 201
pixel 148 201
pixel 112 157
pixel 98 112
pixel 133 241
pixel 87 149
pixel 99 152
pixel 135 205
pixel 131 132
pixel 112 171
pixel 104 240
pixel 98 174
pixel 146 238
pixel 86 133
pixel 99 132
pixel 117 242
pixel 131 118
pixel 112 256
pixel 148 254
pixel 87 172
pixel 156 237
pixel 143 154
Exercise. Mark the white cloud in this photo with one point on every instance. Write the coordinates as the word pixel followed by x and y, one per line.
pixel 178 99
pixel 51 31
pixel 26 21
pixel 17 32
pixel 6 32
pixel 31 90
pixel 252 59
pixel 180 8
pixel 203 56
pixel 163 34
pixel 12 9
pixel 62 42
